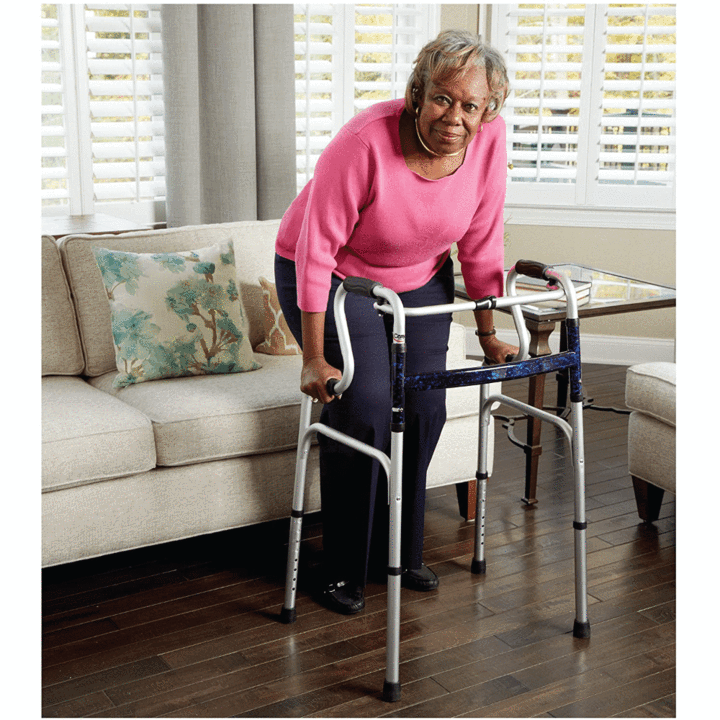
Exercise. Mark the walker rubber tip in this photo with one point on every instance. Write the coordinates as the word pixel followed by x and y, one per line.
pixel 581 629
pixel 288 615
pixel 391 691
pixel 478 567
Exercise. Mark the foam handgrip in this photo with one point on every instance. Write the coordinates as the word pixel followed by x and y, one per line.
pixel 330 385
pixel 361 286
pixel 533 269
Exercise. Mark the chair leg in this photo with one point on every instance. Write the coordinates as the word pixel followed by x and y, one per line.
pixel 648 498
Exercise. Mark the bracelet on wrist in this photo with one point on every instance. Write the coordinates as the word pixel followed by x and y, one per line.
pixel 489 333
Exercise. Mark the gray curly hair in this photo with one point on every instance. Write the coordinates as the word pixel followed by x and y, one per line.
pixel 448 55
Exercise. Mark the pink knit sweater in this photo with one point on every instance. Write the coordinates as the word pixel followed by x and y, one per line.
pixel 365 213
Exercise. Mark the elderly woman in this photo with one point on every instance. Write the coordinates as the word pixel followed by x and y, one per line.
pixel 392 191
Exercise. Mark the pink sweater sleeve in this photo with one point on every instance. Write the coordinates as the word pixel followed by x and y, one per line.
pixel 481 250
pixel 339 190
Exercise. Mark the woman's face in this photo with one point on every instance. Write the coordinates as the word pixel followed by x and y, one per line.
pixel 450 113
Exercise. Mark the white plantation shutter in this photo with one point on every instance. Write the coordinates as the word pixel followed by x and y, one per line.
pixel 387 41
pixel 125 79
pixel 107 129
pixel 637 136
pixel 348 57
pixel 591 113
pixel 59 125
pixel 544 52
pixel 317 51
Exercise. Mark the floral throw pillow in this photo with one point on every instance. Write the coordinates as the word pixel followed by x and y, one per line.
pixel 278 338
pixel 175 314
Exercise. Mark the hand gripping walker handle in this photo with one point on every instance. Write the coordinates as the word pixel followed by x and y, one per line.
pixel 534 269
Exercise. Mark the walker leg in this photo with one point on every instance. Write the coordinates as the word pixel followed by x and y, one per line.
pixel 478 566
pixel 581 627
pixel 289 613
pixel 478 563
pixel 391 686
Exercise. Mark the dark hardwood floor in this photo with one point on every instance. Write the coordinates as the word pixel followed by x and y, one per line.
pixel 191 629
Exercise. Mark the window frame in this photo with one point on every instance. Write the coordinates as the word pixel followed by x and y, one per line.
pixel 582 203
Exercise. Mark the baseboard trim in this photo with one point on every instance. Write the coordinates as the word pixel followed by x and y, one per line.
pixel 602 349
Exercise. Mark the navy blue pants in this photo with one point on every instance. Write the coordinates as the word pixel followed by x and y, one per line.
pixel 352 485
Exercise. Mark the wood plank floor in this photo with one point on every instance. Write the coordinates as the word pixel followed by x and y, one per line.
pixel 190 629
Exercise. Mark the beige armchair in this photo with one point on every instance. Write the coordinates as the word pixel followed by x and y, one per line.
pixel 650 394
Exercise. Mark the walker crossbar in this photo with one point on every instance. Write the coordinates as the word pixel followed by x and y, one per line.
pixel 522 366
pixel 492 373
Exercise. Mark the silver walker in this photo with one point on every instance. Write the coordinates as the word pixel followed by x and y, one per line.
pixel 559 286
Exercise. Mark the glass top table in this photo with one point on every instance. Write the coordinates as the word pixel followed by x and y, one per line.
pixel 599 293
pixel 609 294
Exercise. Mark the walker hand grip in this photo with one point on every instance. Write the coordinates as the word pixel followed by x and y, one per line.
pixel 533 269
pixel 361 286
pixel 330 385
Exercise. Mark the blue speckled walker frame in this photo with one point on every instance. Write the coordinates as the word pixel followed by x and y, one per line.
pixel 521 366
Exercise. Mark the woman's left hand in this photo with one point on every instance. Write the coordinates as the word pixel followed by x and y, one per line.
pixel 497 351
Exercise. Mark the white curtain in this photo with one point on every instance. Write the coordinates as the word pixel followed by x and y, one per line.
pixel 228 74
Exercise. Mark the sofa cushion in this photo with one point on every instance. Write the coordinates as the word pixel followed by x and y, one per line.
pixel 61 349
pixel 175 314
pixel 650 389
pixel 210 417
pixel 88 435
pixel 255 252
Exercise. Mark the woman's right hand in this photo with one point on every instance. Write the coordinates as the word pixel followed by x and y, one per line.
pixel 313 380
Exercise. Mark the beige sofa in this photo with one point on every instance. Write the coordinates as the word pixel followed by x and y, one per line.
pixel 174 458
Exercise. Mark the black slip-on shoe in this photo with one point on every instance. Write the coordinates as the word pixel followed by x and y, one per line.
pixel 343 597
pixel 423 579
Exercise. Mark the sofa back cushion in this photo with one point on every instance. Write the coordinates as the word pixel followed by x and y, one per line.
pixel 61 349
pixel 254 243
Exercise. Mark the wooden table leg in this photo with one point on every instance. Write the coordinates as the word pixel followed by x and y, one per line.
pixel 467 498
pixel 539 335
